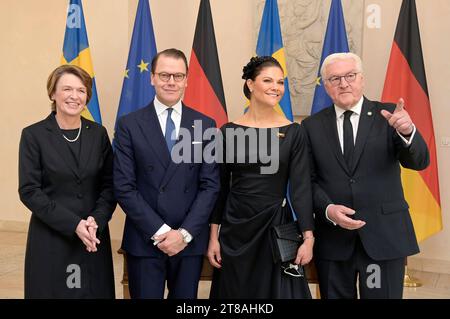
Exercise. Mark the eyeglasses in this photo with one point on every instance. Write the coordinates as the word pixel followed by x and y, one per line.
pixel 293 270
pixel 165 77
pixel 349 77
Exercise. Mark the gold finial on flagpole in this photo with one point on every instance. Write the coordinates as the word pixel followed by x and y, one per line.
pixel 409 281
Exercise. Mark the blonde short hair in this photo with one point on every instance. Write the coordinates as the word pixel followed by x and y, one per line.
pixel 68 69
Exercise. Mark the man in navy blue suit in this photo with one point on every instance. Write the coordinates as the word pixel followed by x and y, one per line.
pixel 167 202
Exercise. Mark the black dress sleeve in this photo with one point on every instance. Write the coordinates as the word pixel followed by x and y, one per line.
pixel 225 178
pixel 300 180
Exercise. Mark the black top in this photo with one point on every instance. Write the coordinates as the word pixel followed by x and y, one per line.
pixel 75 147
pixel 59 193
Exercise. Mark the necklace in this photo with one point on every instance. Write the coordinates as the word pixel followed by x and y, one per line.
pixel 76 138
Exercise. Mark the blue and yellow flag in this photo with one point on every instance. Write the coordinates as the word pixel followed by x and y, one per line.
pixel 270 43
pixel 137 90
pixel 335 41
pixel 76 52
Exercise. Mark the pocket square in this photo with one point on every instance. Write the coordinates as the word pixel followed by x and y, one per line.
pixel 197 142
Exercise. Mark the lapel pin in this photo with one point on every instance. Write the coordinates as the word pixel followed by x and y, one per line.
pixel 369 113
pixel 280 135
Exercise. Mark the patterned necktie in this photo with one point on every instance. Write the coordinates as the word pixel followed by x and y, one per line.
pixel 170 130
pixel 349 144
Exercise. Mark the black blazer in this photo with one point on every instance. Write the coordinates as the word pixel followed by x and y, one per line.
pixel 153 190
pixel 372 186
pixel 59 194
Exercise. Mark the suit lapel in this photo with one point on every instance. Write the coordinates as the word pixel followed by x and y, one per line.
pixel 330 128
pixel 87 142
pixel 366 120
pixel 187 122
pixel 151 129
pixel 61 145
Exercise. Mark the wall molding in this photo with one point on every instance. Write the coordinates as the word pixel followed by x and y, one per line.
pixel 429 265
pixel 13 226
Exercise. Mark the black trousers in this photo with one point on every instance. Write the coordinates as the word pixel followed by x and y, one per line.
pixel 377 279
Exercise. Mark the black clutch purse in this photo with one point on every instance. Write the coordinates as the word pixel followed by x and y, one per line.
pixel 285 241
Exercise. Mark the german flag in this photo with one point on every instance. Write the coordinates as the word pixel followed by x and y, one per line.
pixel 406 78
pixel 205 90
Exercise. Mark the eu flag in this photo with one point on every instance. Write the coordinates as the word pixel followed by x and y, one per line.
pixel 270 43
pixel 76 52
pixel 335 41
pixel 137 90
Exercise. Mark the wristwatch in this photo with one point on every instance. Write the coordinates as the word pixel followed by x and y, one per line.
pixel 187 238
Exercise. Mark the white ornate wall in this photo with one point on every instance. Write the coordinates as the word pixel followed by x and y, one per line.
pixel 303 24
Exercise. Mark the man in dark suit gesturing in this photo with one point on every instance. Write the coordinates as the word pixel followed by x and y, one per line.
pixel 167 202
pixel 363 226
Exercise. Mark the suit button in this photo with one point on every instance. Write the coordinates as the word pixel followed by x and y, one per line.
pixel 79 196
pixel 352 181
pixel 78 181
pixel 186 190
pixel 161 190
pixel 150 168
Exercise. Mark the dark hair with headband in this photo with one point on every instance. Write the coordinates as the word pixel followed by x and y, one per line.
pixel 254 68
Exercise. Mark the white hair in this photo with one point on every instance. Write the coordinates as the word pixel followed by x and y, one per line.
pixel 340 56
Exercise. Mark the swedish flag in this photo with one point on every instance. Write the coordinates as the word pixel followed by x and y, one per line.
pixel 76 52
pixel 335 41
pixel 270 43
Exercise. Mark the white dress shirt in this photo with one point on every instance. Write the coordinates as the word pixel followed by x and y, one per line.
pixel 161 112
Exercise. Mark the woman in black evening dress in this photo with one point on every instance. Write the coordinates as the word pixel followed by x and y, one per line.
pixel 253 194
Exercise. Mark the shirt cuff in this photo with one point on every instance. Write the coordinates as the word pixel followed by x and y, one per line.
pixel 163 229
pixel 189 234
pixel 410 138
pixel 326 215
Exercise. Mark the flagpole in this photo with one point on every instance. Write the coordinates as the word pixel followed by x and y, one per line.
pixel 408 280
